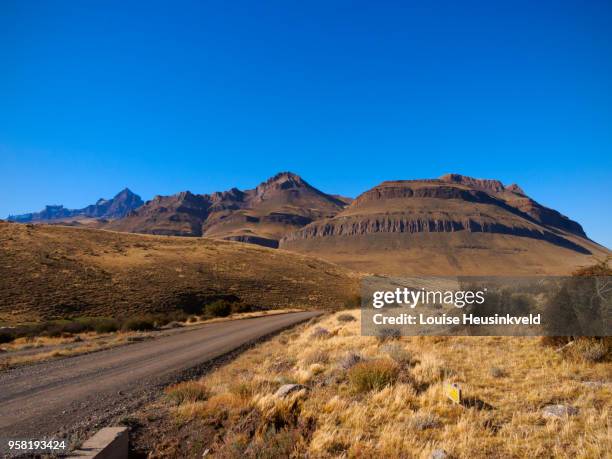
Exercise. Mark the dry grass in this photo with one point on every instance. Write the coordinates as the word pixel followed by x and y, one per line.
pixel 50 272
pixel 187 392
pixel 405 413
pixel 41 349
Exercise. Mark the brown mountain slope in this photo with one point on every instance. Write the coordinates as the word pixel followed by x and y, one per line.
pixel 451 225
pixel 61 272
pixel 262 215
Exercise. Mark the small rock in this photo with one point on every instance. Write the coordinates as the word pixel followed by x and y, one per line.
pixel 439 454
pixel 559 411
pixel 287 389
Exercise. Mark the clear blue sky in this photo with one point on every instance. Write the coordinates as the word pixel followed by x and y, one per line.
pixel 169 96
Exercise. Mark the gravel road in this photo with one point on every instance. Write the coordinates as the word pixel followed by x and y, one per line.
pixel 68 398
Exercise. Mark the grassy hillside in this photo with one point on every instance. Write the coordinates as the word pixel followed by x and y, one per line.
pixel 49 272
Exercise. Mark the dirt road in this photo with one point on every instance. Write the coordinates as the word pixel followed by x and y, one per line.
pixel 70 397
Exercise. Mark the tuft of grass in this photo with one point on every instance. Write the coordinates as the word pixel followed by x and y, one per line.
pixel 316 356
pixel 346 318
pixel 187 392
pixel 397 353
pixel 425 421
pixel 591 350
pixel 497 372
pixel 320 333
pixel 372 375
pixel 349 360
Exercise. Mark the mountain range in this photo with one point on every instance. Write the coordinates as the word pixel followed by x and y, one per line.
pixel 452 224
pixel 116 207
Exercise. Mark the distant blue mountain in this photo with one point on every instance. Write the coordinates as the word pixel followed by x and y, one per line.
pixel 124 202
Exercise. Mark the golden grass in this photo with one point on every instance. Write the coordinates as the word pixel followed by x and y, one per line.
pixel 54 272
pixel 409 416
pixel 53 348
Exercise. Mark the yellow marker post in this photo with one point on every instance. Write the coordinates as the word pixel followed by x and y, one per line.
pixel 453 392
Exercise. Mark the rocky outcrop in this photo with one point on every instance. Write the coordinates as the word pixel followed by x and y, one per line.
pixel 119 206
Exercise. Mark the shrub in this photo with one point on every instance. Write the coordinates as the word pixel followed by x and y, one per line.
pixel 372 375
pixel 187 392
pixel 387 334
pixel 591 349
pixel 242 307
pixel 349 360
pixel 496 372
pixel 138 324
pixel 353 302
pixel 104 325
pixel 346 318
pixel 219 308
pixel 320 332
pixel 425 421
pixel 6 336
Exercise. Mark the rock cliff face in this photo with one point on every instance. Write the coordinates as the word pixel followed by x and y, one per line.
pixel 124 202
pixel 408 217
pixel 261 215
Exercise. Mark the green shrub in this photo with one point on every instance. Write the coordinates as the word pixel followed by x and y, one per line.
pixel 105 326
pixel 219 308
pixel 6 336
pixel 242 307
pixel 353 302
pixel 139 324
pixel 372 375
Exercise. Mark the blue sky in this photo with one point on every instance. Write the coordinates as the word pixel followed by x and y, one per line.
pixel 169 96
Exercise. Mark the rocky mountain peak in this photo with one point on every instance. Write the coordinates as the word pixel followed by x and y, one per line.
pixel 282 181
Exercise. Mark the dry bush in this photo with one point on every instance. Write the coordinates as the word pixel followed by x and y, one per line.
pixel 425 421
pixel 372 375
pixel 397 353
pixel 349 360
pixel 187 392
pixel 387 334
pixel 429 370
pixel 320 333
pixel 346 318
pixel 278 412
pixel 591 349
pixel 497 372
